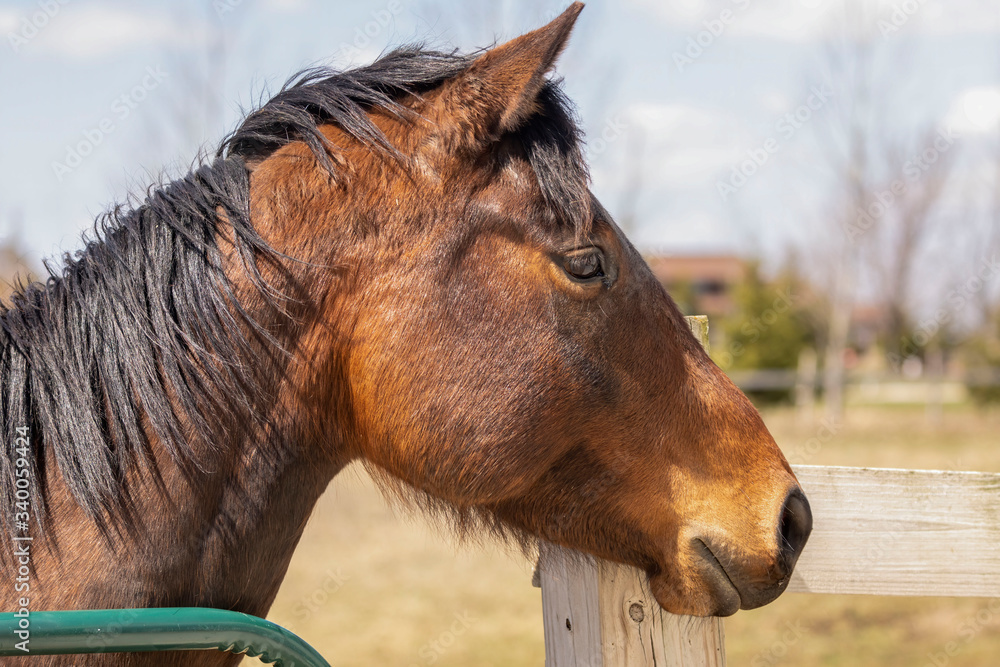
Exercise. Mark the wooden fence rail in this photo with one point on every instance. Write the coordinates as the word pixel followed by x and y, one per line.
pixel 875 531
pixel 900 532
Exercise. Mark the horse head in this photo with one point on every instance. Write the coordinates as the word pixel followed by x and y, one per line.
pixel 490 338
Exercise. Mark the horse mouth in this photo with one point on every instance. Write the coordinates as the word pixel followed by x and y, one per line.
pixel 723 590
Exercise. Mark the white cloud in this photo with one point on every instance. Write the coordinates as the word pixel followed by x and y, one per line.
pixel 93 31
pixel 287 6
pixel 666 121
pixel 776 102
pixel 681 11
pixel 677 151
pixel 694 231
pixel 688 143
pixel 975 111
pixel 795 20
pixel 941 17
pixel 9 20
pixel 809 20
pixel 694 165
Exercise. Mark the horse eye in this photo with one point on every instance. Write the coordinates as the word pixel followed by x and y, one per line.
pixel 584 264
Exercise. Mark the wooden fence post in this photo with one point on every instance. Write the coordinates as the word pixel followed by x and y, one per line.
pixel 600 614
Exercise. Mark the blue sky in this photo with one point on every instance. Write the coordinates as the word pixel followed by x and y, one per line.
pixel 142 86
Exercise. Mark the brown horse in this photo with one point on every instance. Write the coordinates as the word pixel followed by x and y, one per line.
pixel 401 264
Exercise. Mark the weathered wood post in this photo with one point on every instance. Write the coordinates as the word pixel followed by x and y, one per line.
pixel 600 614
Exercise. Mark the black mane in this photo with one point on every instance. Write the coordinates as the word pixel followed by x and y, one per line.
pixel 322 95
pixel 140 328
pixel 551 138
pixel 141 332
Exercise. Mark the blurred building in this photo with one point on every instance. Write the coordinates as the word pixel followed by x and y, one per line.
pixel 868 321
pixel 701 284
pixel 15 264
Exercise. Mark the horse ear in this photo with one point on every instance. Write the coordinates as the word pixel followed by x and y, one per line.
pixel 498 91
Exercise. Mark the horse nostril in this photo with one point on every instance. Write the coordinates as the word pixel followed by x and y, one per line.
pixel 796 524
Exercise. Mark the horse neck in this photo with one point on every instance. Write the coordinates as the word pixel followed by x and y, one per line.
pixel 246 531
pixel 248 538
pixel 242 533
pixel 221 536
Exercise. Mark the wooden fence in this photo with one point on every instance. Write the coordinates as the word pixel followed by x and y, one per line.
pixel 875 531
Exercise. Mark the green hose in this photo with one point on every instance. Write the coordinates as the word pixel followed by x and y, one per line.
pixel 163 629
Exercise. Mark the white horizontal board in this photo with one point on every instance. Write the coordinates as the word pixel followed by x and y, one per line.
pixel 900 532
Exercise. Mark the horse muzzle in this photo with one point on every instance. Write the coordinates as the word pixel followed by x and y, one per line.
pixel 723 577
pixel 740 587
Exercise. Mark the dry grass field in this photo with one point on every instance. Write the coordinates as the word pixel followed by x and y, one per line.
pixel 373 586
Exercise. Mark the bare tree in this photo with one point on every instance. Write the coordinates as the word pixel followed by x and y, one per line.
pixel 902 236
pixel 194 112
pixel 635 165
pixel 885 184
pixel 989 304
pixel 846 150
